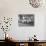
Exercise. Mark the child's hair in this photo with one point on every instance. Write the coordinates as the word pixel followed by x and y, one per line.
pixel 34 35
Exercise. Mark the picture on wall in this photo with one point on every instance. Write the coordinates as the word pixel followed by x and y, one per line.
pixel 26 19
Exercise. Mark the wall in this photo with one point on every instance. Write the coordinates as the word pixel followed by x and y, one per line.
pixel 11 8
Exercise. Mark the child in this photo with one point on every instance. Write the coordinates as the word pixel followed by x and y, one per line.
pixel 35 38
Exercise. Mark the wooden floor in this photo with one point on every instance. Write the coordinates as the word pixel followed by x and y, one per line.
pixel 4 43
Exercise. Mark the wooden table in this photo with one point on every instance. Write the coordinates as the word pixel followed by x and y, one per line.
pixel 28 43
pixel 31 43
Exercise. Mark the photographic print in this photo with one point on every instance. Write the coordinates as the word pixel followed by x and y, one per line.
pixel 26 19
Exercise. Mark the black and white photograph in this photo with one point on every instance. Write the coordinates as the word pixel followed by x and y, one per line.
pixel 26 19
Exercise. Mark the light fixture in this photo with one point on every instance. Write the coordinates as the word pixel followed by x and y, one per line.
pixel 35 3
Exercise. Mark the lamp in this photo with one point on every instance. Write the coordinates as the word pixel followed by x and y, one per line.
pixel 36 3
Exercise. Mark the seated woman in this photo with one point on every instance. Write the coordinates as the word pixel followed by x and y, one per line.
pixel 10 38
